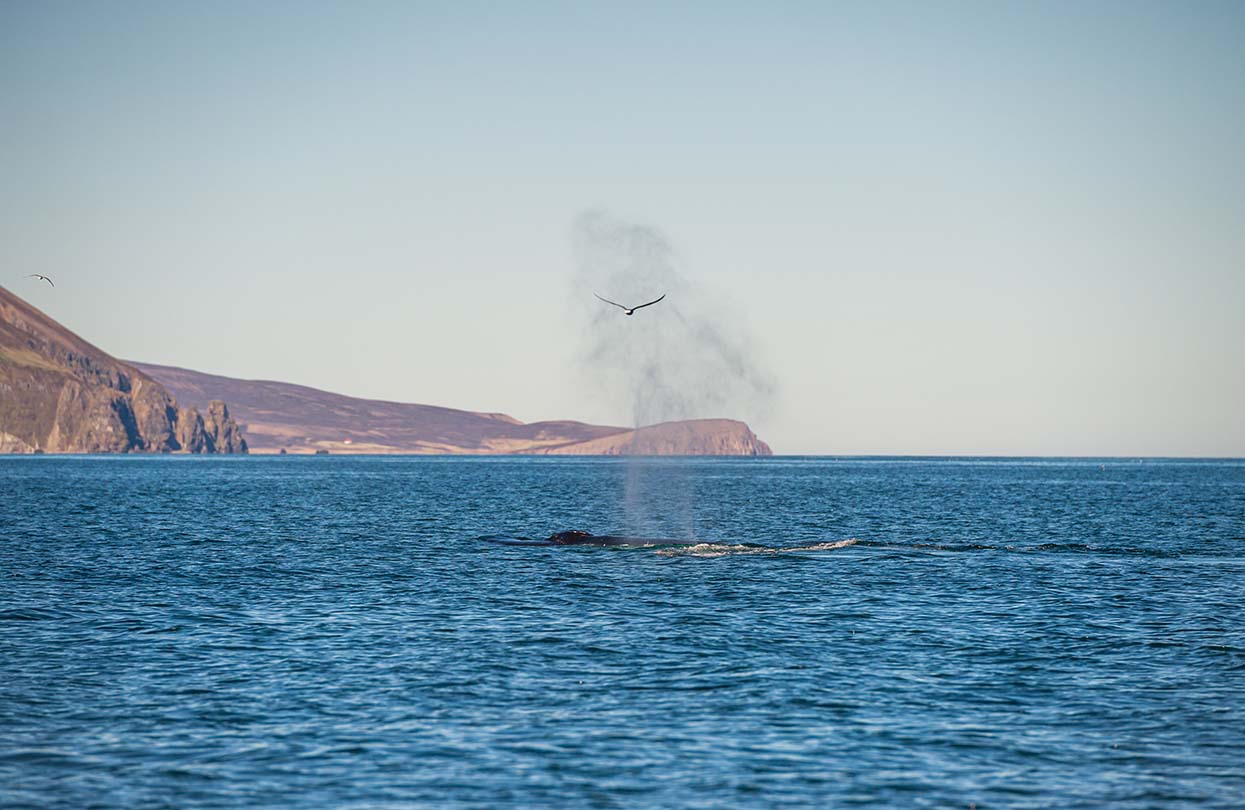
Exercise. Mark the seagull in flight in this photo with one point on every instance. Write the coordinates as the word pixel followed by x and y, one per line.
pixel 45 278
pixel 630 310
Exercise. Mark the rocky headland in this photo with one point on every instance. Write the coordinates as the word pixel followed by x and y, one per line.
pixel 60 394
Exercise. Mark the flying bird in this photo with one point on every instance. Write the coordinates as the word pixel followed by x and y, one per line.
pixel 45 278
pixel 630 310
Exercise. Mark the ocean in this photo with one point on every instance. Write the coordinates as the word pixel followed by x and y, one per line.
pixel 348 632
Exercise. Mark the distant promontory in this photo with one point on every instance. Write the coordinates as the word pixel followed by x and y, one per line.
pixel 297 419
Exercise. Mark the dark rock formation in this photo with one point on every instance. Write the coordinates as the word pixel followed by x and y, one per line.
pixel 224 433
pixel 155 415
pixel 60 394
pixel 214 433
pixel 190 434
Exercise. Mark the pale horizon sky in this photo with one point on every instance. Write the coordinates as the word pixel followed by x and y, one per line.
pixel 940 228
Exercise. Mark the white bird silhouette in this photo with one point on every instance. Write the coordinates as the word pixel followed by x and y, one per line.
pixel 45 278
pixel 630 310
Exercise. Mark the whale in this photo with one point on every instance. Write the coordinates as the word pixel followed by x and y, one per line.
pixel 576 537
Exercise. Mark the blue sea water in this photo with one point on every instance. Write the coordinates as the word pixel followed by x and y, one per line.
pixel 333 632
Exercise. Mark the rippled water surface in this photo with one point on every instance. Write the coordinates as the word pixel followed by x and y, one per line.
pixel 194 632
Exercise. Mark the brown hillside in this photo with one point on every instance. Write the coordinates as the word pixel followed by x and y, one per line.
pixel 300 419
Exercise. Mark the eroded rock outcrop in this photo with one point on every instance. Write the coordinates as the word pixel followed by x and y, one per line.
pixel 60 394
pixel 190 434
pixel 224 432
pixel 214 433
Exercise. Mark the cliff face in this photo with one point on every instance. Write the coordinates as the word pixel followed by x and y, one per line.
pixel 60 394
pixel 296 419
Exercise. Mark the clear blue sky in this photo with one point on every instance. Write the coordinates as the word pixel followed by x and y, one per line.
pixel 945 227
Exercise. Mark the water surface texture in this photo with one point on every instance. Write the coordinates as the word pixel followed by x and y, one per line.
pixel 230 632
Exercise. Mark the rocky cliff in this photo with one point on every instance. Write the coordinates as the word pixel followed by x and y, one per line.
pixel 60 394
pixel 294 418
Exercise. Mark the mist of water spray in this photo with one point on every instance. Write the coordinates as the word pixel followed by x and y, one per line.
pixel 688 357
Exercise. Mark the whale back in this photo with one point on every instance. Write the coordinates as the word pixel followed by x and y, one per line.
pixel 576 537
